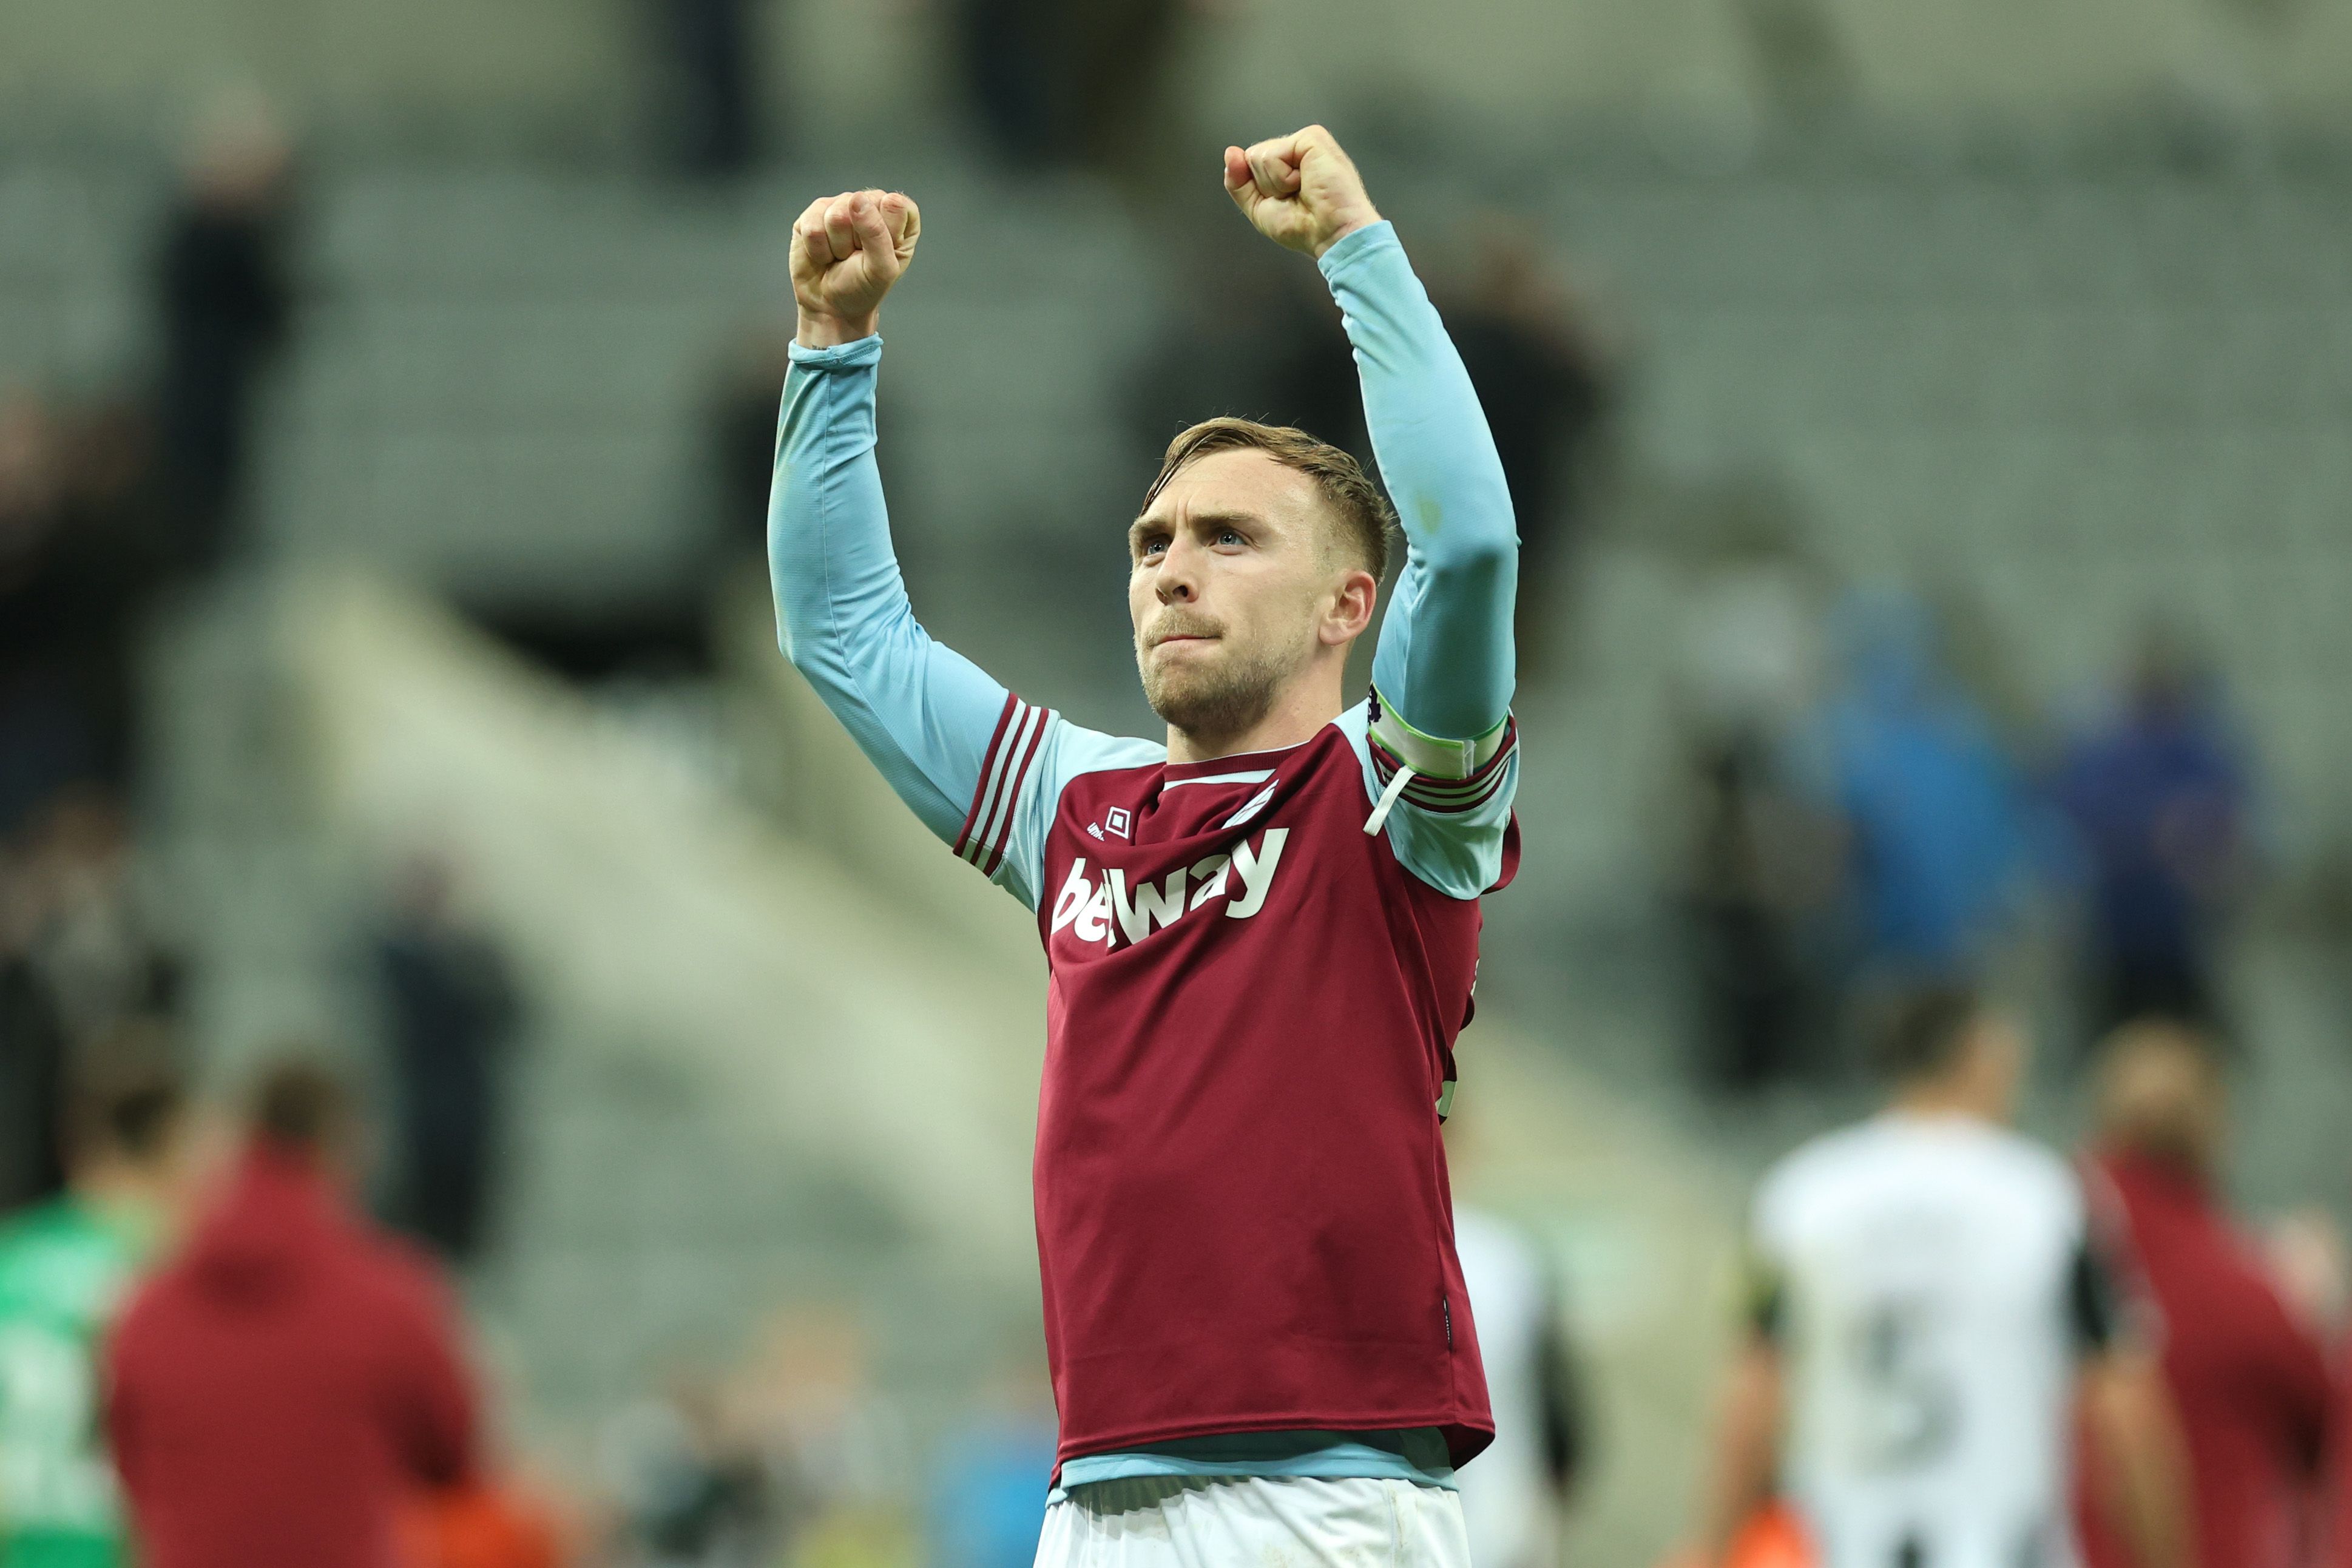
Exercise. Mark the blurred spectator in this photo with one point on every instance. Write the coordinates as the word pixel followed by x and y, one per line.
pixel 94 942
pixel 1251 337
pixel 1514 1499
pixel 45 735
pixel 992 1472
pixel 32 1051
pixel 1761 861
pixel 452 1011
pixel 692 1492
pixel 1547 387
pixel 64 1269
pixel 279 1389
pixel 710 100
pixel 80 961
pixel 837 1445
pixel 1936 826
pixel 2157 795
pixel 226 299
pixel 2248 1373
pixel 1076 83
pixel 72 569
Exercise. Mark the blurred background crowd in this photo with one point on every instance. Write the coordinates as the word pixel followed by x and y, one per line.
pixel 1927 437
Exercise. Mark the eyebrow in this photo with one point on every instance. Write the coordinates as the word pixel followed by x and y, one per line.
pixel 1208 518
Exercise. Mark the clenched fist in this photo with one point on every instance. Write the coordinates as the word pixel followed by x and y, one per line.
pixel 847 252
pixel 1301 190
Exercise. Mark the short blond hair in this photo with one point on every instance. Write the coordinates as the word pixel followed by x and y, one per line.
pixel 1364 517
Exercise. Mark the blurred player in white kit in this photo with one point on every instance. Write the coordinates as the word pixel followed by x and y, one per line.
pixel 1514 1499
pixel 1929 1303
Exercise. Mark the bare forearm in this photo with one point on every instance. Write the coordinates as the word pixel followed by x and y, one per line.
pixel 2143 1481
pixel 1747 1451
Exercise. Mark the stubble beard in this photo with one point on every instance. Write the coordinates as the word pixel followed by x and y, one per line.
pixel 1226 698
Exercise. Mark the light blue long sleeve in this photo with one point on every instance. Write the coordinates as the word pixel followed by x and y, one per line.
pixel 926 716
pixel 1445 662
pixel 922 712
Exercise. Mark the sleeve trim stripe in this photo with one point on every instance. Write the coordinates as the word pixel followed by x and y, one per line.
pixel 996 812
pixel 991 818
pixel 1012 794
pixel 988 767
pixel 1451 808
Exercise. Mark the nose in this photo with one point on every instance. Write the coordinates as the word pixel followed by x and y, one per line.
pixel 1177 582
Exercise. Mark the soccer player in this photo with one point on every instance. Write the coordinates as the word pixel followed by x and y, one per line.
pixel 1262 931
pixel 1930 1305
pixel 2247 1369
pixel 1513 1502
pixel 64 1268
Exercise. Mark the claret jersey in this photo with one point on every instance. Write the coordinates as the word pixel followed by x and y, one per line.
pixel 1258 964
pixel 1250 1026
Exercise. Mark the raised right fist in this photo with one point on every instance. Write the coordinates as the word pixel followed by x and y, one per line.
pixel 847 252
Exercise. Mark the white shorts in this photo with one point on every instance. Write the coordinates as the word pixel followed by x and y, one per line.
pixel 1246 1521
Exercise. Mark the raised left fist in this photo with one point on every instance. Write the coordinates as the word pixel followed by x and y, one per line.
pixel 848 252
pixel 1300 191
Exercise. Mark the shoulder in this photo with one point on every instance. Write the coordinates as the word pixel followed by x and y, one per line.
pixel 2038 1174
pixel 61 1258
pixel 1073 752
pixel 148 1309
pixel 1800 1185
pixel 24 1236
pixel 401 1279
pixel 1033 757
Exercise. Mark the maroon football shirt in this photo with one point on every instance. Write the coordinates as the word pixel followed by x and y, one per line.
pixel 2251 1383
pixel 1242 1216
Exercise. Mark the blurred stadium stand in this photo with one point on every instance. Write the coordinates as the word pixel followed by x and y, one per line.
pixel 788 1049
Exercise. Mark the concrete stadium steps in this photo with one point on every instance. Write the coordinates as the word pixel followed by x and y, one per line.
pixel 654 905
pixel 712 1123
pixel 661 1201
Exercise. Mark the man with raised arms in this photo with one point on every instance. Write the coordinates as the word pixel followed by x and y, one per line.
pixel 1262 932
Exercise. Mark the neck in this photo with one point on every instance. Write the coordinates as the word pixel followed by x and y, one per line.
pixel 1300 709
pixel 2175 1158
pixel 116 1187
pixel 1948 1097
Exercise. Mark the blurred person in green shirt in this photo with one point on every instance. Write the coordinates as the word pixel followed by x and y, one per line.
pixel 64 1266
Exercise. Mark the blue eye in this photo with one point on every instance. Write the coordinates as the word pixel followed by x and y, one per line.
pixel 1225 534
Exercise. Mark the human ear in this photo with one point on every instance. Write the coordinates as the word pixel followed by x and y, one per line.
pixel 1350 613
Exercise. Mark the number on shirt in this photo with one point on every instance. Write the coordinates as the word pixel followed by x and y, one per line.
pixel 1908 1409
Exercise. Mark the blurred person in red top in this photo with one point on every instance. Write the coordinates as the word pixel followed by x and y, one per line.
pixel 283 1387
pixel 2243 1361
